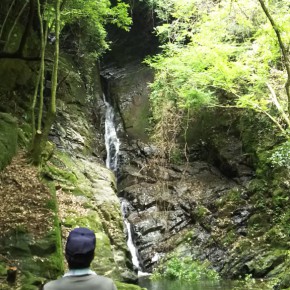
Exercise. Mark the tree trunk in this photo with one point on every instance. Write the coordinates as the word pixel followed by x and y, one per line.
pixel 42 137
pixel 39 87
pixel 14 24
pixel 27 27
pixel 283 50
pixel 6 18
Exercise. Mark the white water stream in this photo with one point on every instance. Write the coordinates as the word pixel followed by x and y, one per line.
pixel 112 147
pixel 111 139
pixel 130 243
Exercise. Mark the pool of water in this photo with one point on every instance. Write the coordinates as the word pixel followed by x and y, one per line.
pixel 178 285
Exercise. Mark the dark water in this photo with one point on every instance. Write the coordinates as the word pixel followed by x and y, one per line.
pixel 178 285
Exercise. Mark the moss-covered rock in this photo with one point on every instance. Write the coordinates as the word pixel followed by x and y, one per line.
pixel 14 73
pixel 8 138
pixel 124 286
pixel 87 198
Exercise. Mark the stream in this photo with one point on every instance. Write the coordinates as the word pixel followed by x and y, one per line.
pixel 178 285
pixel 165 284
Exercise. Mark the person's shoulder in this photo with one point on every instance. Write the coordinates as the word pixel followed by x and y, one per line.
pixel 102 278
pixel 103 282
pixel 51 284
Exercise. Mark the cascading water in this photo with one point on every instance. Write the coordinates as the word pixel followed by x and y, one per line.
pixel 130 243
pixel 111 139
pixel 112 147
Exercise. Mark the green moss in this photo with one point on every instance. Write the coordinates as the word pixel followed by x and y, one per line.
pixel 229 238
pixel 58 174
pixel 8 138
pixel 200 212
pixel 258 224
pixel 104 259
pixel 124 286
pixel 30 281
pixel 29 287
pixel 14 73
pixel 91 220
pixel 67 173
pixel 277 237
pixel 3 270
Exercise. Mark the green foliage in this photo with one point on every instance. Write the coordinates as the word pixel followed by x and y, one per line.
pixel 125 286
pixel 185 269
pixel 91 17
pixel 255 284
pixel 236 62
pixel 281 155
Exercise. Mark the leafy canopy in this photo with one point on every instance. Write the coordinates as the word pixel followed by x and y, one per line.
pixel 92 16
pixel 219 52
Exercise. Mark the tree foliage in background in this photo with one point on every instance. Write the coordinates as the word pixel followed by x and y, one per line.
pixel 88 20
pixel 221 53
pixel 55 18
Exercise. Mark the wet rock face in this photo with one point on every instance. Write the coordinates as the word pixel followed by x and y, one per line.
pixel 208 208
pixel 185 207
pixel 127 90
pixel 174 206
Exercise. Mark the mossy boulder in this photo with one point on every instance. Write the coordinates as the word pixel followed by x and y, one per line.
pixel 8 138
pixel 15 73
pixel 124 286
pixel 37 259
pixel 87 198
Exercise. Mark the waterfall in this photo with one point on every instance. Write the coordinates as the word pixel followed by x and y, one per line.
pixel 112 147
pixel 130 243
pixel 111 139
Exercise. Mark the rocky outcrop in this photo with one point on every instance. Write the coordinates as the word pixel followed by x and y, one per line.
pixel 206 207
pixel 127 90
pixel 8 138
pixel 83 191
pixel 86 197
pixel 194 210
pixel 86 189
pixel 173 205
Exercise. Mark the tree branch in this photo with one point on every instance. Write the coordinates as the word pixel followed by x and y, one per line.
pixel 283 49
pixel 27 27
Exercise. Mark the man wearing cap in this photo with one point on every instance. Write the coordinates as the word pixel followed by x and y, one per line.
pixel 79 253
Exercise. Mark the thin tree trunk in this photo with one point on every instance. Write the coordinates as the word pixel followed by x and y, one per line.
pixel 54 77
pixel 43 35
pixel 278 106
pixel 14 24
pixel 56 58
pixel 40 78
pixel 6 18
pixel 33 105
pixel 27 27
pixel 41 137
pixel 283 50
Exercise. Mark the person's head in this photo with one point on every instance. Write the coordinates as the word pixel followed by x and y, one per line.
pixel 80 248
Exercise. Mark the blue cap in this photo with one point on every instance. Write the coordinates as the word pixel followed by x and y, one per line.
pixel 80 241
